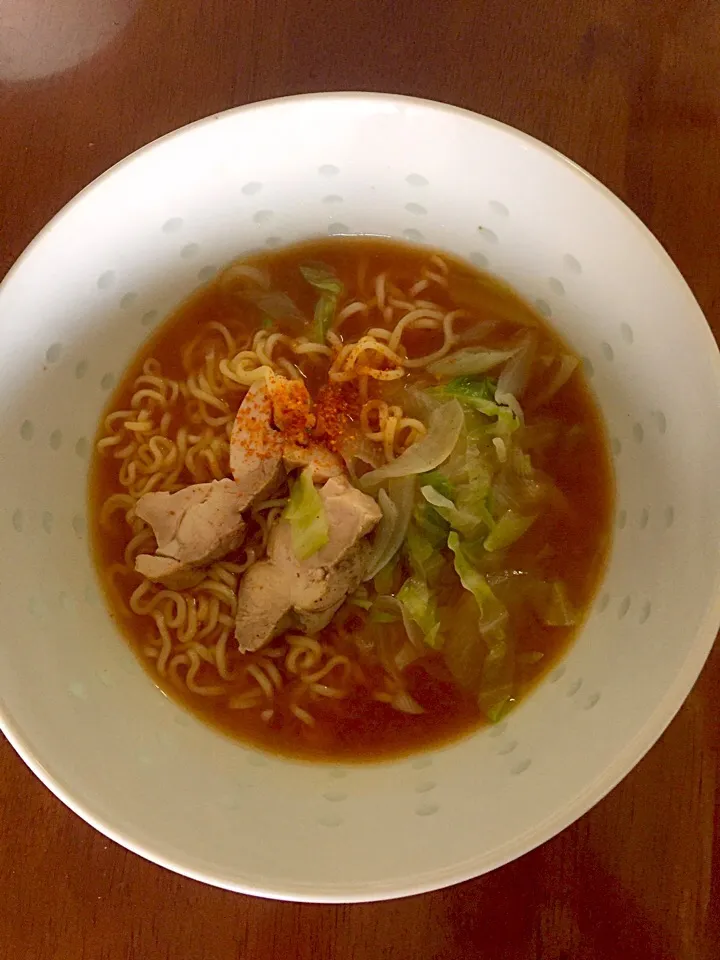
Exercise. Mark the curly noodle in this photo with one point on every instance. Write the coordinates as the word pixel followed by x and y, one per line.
pixel 175 430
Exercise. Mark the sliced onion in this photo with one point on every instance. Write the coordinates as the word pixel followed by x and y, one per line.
pixel 500 449
pixel 508 400
pixel 276 304
pixel 516 372
pixel 477 332
pixel 407 654
pixel 567 366
pixel 396 506
pixel 357 449
pixel 383 536
pixel 444 428
pixel 253 285
pixel 403 702
pixel 436 498
pixel 470 361
pixel 239 276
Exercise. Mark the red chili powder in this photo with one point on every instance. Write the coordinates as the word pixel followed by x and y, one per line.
pixel 337 405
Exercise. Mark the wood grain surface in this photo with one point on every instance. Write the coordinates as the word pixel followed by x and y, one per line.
pixel 630 89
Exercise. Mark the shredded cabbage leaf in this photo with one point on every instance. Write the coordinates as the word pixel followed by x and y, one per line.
pixel 493 615
pixel 509 528
pixel 422 552
pixel 322 278
pixel 483 420
pixel 464 649
pixel 438 481
pixel 331 289
pixel 468 523
pixel 497 702
pixel 430 525
pixel 462 492
pixel 444 427
pixel 306 515
pixel 483 663
pixel 478 493
pixel 383 581
pixel 391 606
pixel 419 603
pixel 472 391
pixel 497 685
pixel 487 419
pixel 471 360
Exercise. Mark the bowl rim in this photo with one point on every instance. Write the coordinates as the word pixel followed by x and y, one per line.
pixel 633 751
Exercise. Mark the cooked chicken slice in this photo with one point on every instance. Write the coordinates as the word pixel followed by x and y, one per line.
pixel 292 414
pixel 312 589
pixel 198 524
pixel 338 567
pixel 324 462
pixel 171 573
pixel 256 447
pixel 325 588
pixel 263 602
pixel 164 511
pixel 351 515
pixel 192 527
pixel 291 406
pixel 273 424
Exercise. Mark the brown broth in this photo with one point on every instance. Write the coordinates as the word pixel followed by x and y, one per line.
pixel 570 541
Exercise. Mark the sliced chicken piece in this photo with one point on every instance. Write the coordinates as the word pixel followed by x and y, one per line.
pixel 291 407
pixel 263 603
pixel 337 568
pixel 292 414
pixel 256 447
pixel 171 573
pixel 198 524
pixel 192 527
pixel 324 462
pixel 164 511
pixel 351 515
pixel 312 589
pixel 324 589
pixel 272 432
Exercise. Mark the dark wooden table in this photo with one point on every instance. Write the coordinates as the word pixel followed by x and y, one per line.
pixel 628 88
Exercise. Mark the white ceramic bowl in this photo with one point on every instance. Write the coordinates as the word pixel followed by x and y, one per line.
pixel 80 709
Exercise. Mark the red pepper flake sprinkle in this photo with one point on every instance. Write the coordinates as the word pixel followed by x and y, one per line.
pixel 337 406
pixel 257 438
pixel 292 409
